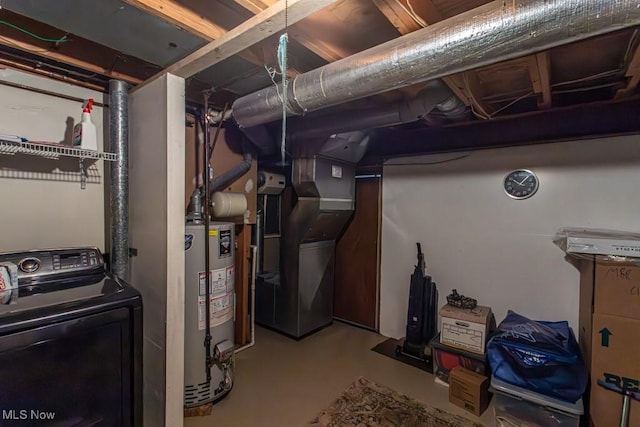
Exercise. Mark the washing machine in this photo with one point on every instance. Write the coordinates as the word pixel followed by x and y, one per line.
pixel 70 341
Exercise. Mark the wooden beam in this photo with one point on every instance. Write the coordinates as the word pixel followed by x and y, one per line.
pixel 8 63
pixel 324 50
pixel 539 70
pixel 180 16
pixel 190 21
pixel 633 75
pixel 397 14
pixel 69 60
pixel 466 86
pixel 457 87
pixel 77 51
pixel 242 273
pixel 255 6
pixel 245 35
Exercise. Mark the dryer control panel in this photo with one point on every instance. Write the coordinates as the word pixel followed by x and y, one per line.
pixel 48 264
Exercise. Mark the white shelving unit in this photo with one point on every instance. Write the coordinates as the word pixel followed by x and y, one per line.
pixel 54 151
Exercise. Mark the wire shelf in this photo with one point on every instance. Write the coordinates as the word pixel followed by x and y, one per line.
pixel 52 151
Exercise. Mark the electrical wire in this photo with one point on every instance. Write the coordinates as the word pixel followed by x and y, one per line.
pixel 586 89
pixel 588 78
pixel 35 36
pixel 526 95
pixel 474 102
pixel 463 156
pixel 418 20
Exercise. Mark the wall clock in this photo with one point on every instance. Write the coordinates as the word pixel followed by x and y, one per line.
pixel 521 184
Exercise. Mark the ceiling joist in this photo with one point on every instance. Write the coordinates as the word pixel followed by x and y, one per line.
pixel 190 21
pixel 324 50
pixel 66 59
pixel 633 77
pixel 539 69
pixel 245 35
pixel 255 6
pixel 400 16
pixel 180 16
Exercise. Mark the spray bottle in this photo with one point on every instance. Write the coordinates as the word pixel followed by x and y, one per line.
pixel 84 133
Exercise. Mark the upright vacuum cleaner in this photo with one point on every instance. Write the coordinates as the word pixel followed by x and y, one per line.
pixel 422 314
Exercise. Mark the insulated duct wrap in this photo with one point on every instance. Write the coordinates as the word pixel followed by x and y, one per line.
pixel 492 33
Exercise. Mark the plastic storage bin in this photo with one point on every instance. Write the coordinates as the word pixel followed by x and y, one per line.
pixel 446 358
pixel 516 406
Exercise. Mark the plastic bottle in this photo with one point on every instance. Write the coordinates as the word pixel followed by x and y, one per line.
pixel 84 133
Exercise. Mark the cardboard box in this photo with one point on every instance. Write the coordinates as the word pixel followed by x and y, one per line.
pixel 615 352
pixel 585 314
pixel 606 288
pixel 226 155
pixel 469 390
pixel 617 289
pixel 464 328
pixel 446 358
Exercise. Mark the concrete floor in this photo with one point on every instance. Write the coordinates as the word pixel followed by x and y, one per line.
pixel 281 382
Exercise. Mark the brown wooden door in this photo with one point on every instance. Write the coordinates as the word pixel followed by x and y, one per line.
pixel 357 259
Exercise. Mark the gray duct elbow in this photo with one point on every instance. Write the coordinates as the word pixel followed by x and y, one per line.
pixel 233 174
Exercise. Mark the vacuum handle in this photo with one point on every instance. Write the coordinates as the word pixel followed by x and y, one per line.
pixel 421 263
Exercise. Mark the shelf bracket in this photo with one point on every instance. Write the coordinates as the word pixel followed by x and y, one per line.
pixel 83 175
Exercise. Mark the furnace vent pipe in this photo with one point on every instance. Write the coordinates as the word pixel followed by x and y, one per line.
pixel 435 96
pixel 492 33
pixel 119 209
pixel 229 177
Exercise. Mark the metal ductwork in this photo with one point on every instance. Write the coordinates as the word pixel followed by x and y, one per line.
pixel 492 33
pixel 119 209
pixel 435 96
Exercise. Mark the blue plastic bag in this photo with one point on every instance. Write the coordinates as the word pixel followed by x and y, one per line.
pixel 543 357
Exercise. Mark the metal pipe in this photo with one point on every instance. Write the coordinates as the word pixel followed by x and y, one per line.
pixel 49 93
pixel 492 33
pixel 207 249
pixel 119 144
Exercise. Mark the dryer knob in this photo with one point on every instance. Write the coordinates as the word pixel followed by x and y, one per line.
pixel 29 265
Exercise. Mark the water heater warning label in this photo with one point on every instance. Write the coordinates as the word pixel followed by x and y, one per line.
pixel 219 282
pixel 231 278
pixel 221 309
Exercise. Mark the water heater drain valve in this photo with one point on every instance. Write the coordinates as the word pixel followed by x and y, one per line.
pixel 223 357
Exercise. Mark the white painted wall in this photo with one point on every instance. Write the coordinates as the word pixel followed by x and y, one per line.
pixel 156 229
pixel 40 209
pixel 491 247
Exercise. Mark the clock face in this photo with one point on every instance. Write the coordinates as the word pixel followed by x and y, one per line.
pixel 520 184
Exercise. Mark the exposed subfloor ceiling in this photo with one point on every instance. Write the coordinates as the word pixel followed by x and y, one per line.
pixel 134 39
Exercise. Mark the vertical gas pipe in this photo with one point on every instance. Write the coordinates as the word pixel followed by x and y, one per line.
pixel 119 144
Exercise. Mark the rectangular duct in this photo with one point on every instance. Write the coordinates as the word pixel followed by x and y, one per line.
pixel 299 300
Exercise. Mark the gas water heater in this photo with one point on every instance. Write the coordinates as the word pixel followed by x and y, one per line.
pixel 208 380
